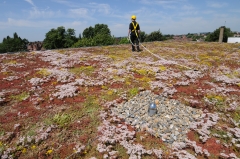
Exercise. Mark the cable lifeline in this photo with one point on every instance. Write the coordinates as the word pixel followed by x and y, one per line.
pixel 155 54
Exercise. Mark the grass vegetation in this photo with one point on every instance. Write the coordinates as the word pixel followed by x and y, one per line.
pixel 62 119
pixel 20 97
pixel 88 70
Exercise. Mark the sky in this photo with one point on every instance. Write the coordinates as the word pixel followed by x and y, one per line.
pixel 32 19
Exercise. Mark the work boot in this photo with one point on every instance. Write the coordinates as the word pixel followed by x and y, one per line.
pixel 133 48
pixel 138 49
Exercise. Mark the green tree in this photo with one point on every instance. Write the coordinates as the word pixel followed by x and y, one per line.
pixel 13 44
pixel 79 36
pixel 124 41
pixel 189 35
pixel 51 39
pixel 168 36
pixel 103 39
pixel 95 36
pixel 2 48
pixel 101 29
pixel 154 36
pixel 84 42
pixel 88 32
pixel 70 38
pixel 142 36
pixel 214 36
pixel 59 38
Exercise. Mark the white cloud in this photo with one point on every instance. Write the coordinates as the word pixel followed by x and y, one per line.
pixel 30 2
pixel 210 12
pixel 39 24
pixel 101 8
pixel 216 4
pixel 66 3
pixel 24 23
pixel 77 23
pixel 36 13
pixel 82 12
pixel 235 11
pixel 61 1
pixel 20 23
pixel 161 2
pixel 187 7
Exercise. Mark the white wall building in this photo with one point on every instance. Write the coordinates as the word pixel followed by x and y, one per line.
pixel 233 40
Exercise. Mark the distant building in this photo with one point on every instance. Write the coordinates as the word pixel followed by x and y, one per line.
pixel 34 46
pixel 233 40
pixel 236 34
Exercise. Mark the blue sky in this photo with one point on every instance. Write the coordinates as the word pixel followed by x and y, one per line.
pixel 32 19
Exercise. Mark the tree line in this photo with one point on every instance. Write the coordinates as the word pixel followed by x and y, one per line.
pixel 99 35
pixel 13 44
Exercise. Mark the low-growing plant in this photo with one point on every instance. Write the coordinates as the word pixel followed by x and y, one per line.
pixel 196 137
pixel 115 57
pixel 222 135
pixel 145 79
pixel 216 98
pixel 2 147
pixel 43 72
pixel 31 133
pixel 88 70
pixel 12 62
pixel 149 142
pixel 142 72
pixel 128 81
pixel 50 151
pixel 234 74
pixel 218 101
pixel 62 119
pixel 236 116
pixel 24 150
pixel 33 147
pixel 6 73
pixel 133 92
pixel 145 72
pixel 166 151
pixel 104 87
pixel 2 132
pixel 110 92
pixel 110 95
pixel 122 152
pixel 91 101
pixel 162 68
pixel 61 51
pixel 20 97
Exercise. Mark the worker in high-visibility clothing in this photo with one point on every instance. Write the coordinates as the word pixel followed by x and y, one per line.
pixel 134 32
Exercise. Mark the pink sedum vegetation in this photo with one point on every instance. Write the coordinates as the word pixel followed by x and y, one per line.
pixel 2 99
pixel 214 87
pixel 120 134
pixel 202 127
pixel 66 90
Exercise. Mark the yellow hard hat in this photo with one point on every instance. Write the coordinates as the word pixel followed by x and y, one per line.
pixel 134 17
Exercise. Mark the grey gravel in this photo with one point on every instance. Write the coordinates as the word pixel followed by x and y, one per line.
pixel 170 123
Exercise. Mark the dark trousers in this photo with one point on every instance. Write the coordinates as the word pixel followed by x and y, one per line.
pixel 134 40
